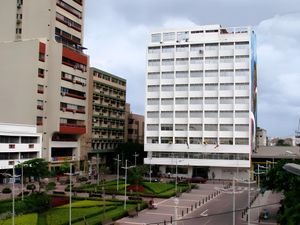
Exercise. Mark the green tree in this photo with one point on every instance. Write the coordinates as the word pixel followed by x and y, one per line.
pixel 136 175
pixel 37 168
pixel 279 180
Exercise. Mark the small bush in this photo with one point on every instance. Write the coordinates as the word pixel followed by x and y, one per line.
pixel 51 186
pixel 82 179
pixel 6 190
pixel 31 187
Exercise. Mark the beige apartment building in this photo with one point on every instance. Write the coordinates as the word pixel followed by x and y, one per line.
pixel 44 74
pixel 134 132
pixel 107 112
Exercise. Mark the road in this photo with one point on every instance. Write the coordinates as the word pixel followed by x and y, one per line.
pixel 219 210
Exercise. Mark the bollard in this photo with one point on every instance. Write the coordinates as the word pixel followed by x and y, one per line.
pixel 199 202
pixel 171 220
pixel 191 207
pixel 202 201
pixel 182 213
pixel 187 210
pixel 206 199
pixel 195 205
pixel 165 222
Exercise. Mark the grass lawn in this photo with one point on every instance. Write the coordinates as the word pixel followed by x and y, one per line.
pixel 27 219
pixel 163 190
pixel 158 188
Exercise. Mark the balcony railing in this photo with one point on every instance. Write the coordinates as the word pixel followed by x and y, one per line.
pixel 68 128
pixel 69 8
pixel 62 158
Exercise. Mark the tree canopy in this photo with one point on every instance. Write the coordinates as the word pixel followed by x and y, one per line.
pixel 279 180
pixel 37 168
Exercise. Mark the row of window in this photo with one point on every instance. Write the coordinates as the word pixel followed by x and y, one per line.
pixel 18 139
pixel 198 87
pixel 197 100
pixel 197 127
pixel 198 60
pixel 184 35
pixel 200 155
pixel 67 21
pixel 198 47
pixel 198 74
pixel 198 140
pixel 73 78
pixel 109 78
pixel 199 114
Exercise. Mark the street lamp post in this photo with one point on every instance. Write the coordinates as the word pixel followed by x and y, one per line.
pixel 22 180
pixel 125 191
pixel 70 201
pixel 233 200
pixel 150 170
pixel 13 196
pixel 118 161
pixel 135 156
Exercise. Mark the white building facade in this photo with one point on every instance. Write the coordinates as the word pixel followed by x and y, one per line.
pixel 201 101
pixel 18 143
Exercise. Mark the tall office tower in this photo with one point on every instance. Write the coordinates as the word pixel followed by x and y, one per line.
pixel 107 99
pixel 44 73
pixel 201 101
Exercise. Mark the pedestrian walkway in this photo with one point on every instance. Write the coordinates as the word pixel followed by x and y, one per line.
pixel 268 202
pixel 166 210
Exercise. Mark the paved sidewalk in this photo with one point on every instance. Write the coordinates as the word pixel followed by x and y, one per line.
pixel 187 203
pixel 268 201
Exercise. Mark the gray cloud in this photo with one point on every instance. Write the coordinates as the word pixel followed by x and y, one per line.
pixel 117 33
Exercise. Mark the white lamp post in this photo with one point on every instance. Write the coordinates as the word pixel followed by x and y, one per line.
pixel 13 189
pixel 22 180
pixel 135 156
pixel 70 194
pixel 125 191
pixel 176 175
pixel 118 161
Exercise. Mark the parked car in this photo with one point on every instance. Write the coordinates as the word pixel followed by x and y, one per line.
pixel 198 180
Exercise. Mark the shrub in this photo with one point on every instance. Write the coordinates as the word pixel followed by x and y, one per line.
pixel 51 186
pixel 136 188
pixel 6 190
pixel 82 179
pixel 31 187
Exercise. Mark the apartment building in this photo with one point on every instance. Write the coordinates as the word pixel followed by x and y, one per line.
pixel 107 112
pixel 44 74
pixel 200 105
pixel 134 132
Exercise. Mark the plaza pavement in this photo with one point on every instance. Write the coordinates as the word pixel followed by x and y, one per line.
pixel 187 203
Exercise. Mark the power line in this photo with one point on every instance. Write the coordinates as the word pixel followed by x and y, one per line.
pixel 215 214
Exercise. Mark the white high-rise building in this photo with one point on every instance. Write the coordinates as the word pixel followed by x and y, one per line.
pixel 200 113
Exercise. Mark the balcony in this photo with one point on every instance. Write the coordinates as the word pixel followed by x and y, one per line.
pixel 62 158
pixel 68 128
pixel 69 8
pixel 68 22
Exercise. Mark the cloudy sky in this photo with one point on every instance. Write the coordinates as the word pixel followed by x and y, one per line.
pixel 117 33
